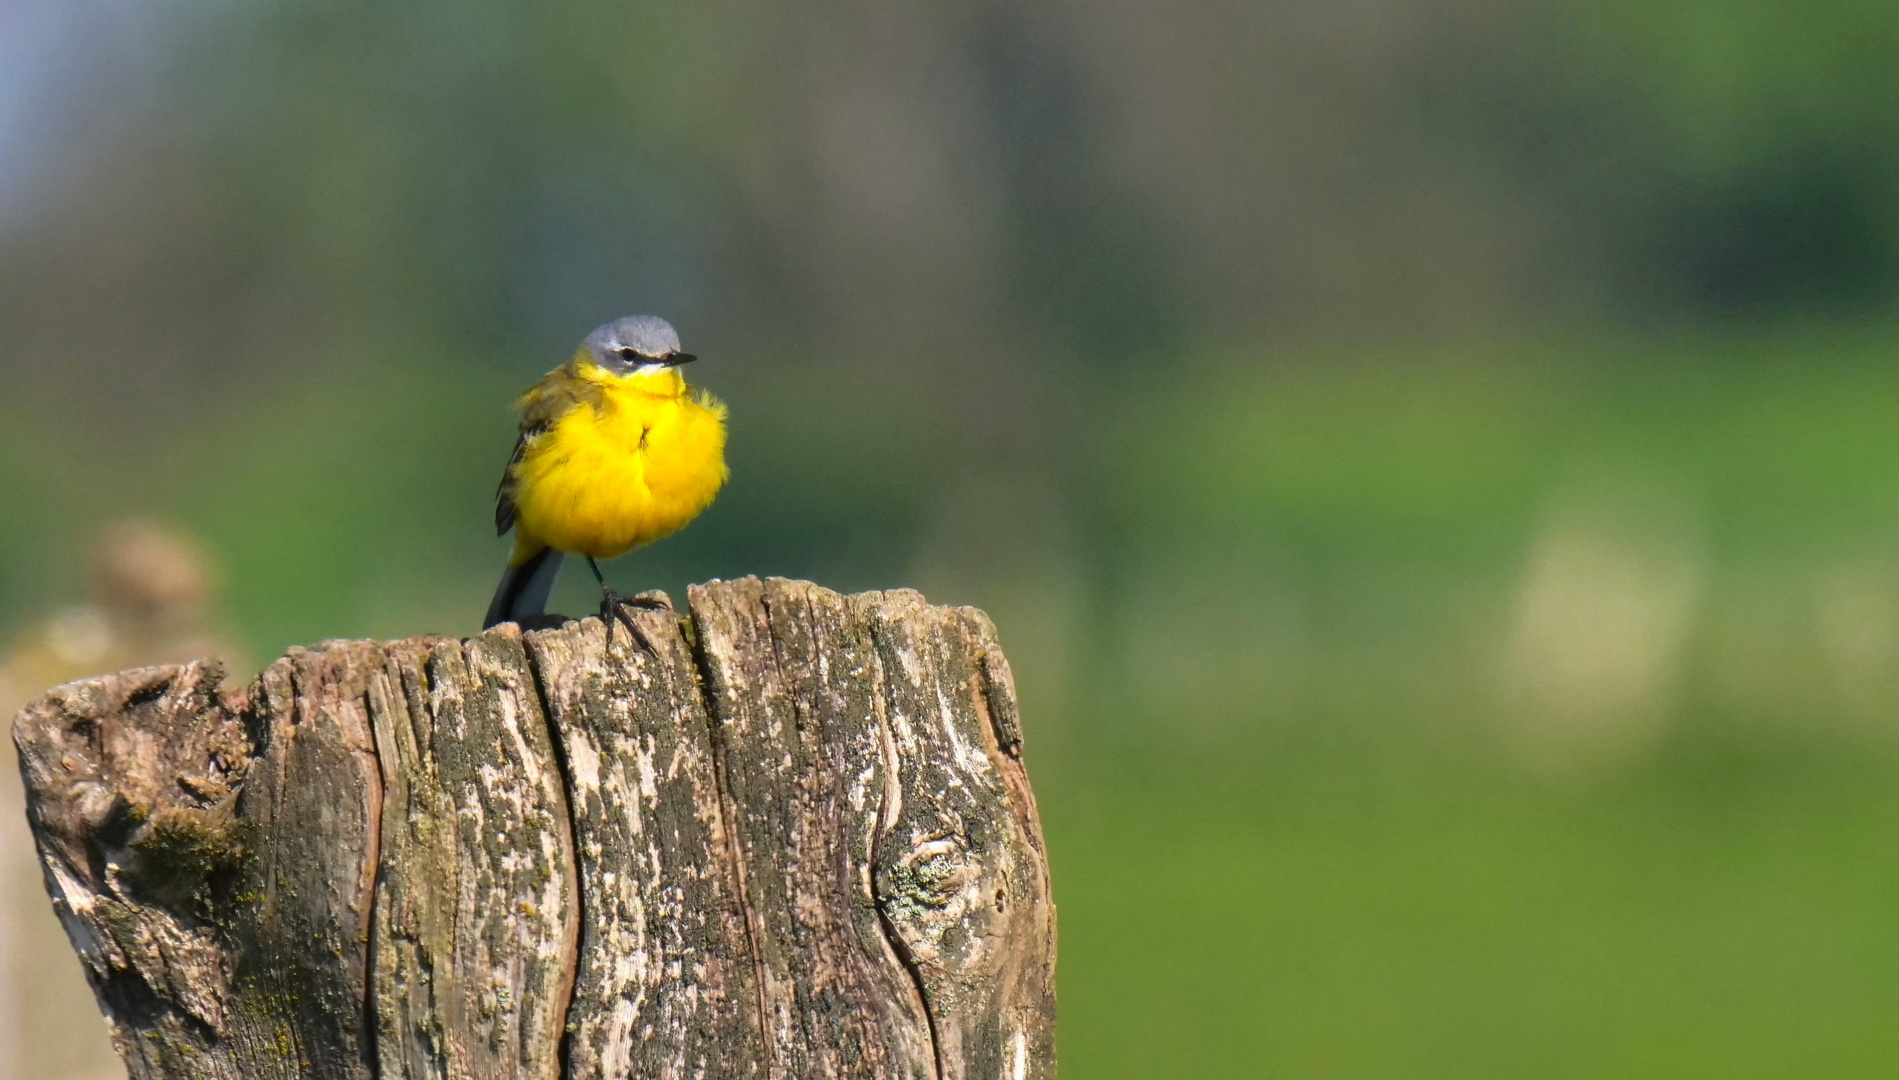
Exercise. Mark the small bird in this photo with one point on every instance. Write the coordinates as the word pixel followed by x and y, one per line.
pixel 615 451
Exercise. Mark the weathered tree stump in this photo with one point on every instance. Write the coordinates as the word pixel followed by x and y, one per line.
pixel 789 836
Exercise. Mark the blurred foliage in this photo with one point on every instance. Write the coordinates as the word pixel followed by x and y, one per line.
pixel 1433 463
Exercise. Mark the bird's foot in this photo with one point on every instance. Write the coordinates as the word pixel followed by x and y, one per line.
pixel 615 608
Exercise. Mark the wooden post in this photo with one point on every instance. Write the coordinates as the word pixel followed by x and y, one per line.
pixel 789 836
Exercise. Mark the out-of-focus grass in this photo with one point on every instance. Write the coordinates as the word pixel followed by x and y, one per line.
pixel 1304 825
pixel 1321 918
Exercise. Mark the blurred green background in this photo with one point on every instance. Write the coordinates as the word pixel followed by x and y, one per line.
pixel 1434 463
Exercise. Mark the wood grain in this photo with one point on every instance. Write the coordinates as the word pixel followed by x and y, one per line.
pixel 788 836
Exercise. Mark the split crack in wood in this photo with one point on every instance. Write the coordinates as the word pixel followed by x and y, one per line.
pixel 788 837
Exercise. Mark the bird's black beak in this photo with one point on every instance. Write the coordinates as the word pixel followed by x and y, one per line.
pixel 678 358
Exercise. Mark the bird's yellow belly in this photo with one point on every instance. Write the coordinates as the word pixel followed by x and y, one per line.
pixel 602 482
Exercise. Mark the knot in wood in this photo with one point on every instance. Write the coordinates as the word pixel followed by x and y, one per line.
pixel 929 893
pixel 930 878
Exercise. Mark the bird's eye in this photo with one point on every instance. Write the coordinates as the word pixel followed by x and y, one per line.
pixel 627 354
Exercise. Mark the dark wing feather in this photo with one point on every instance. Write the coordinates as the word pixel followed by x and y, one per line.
pixel 548 401
pixel 504 493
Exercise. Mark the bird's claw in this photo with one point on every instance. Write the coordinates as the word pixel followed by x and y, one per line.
pixel 615 608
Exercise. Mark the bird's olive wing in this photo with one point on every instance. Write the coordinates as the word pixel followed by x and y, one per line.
pixel 550 399
pixel 504 493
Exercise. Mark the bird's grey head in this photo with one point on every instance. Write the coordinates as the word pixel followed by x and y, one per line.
pixel 636 343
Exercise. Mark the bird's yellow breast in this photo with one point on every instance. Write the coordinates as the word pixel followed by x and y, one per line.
pixel 608 477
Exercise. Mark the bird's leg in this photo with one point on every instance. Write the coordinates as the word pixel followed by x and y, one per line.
pixel 613 608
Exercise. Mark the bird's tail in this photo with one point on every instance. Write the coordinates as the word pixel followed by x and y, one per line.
pixel 524 589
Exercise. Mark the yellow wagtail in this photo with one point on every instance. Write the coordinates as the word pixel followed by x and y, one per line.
pixel 615 451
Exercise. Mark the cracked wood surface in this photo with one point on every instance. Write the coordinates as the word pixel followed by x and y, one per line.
pixel 789 835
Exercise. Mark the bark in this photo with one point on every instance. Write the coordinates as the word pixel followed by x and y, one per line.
pixel 788 836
